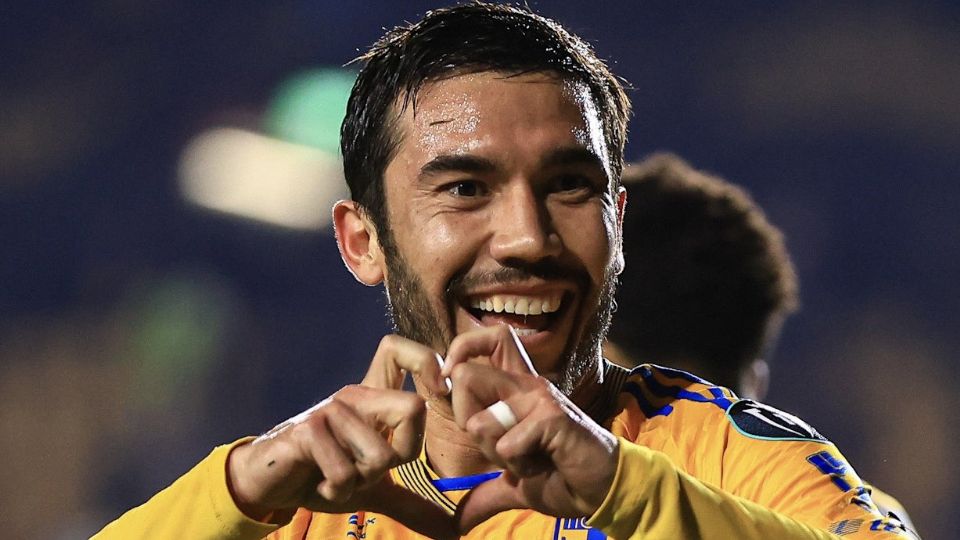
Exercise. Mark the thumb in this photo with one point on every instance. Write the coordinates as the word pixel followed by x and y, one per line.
pixel 412 510
pixel 487 500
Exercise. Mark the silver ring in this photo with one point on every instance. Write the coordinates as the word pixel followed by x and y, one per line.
pixel 504 414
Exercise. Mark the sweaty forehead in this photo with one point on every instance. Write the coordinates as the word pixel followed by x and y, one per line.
pixel 462 113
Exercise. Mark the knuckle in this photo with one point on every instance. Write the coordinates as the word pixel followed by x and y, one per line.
pixel 478 427
pixel 334 411
pixel 462 373
pixel 309 429
pixel 350 389
pixel 388 343
pixel 346 395
pixel 379 459
pixel 340 476
pixel 418 358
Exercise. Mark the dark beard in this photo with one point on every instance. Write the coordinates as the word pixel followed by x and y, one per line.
pixel 585 357
pixel 414 318
pixel 409 309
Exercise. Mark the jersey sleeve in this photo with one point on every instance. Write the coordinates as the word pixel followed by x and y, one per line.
pixel 197 506
pixel 651 498
pixel 698 462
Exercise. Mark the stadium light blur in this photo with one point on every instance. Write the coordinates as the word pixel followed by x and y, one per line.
pixel 308 108
pixel 291 175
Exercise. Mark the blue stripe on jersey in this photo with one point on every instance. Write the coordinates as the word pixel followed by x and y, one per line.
pixel 658 389
pixel 832 467
pixel 458 483
pixel 644 404
pixel 718 393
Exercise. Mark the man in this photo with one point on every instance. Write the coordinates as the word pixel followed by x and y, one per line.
pixel 710 282
pixel 483 148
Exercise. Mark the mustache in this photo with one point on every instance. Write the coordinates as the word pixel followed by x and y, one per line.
pixel 506 275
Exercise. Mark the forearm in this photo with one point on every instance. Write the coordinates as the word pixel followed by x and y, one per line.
pixel 198 505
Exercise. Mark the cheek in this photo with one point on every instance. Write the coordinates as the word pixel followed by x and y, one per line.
pixel 590 236
pixel 441 246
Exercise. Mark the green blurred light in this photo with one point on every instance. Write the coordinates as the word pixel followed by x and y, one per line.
pixel 309 107
pixel 180 328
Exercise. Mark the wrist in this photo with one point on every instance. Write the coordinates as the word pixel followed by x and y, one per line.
pixel 604 482
pixel 237 489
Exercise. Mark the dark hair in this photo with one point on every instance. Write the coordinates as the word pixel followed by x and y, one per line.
pixel 707 279
pixel 464 39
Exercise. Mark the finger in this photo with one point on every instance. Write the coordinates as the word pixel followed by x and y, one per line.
pixel 487 500
pixel 396 356
pixel 372 455
pixel 500 343
pixel 522 448
pixel 521 454
pixel 412 510
pixel 479 386
pixel 338 473
pixel 486 429
pixel 404 413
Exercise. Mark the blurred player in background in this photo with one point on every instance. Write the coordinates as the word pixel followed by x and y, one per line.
pixel 708 281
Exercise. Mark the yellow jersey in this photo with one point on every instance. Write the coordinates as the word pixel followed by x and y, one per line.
pixel 695 461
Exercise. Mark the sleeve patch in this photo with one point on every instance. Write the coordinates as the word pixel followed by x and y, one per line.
pixel 760 421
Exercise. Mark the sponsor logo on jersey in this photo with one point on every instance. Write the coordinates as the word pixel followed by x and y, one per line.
pixel 359 524
pixel 847 526
pixel 761 421
pixel 576 529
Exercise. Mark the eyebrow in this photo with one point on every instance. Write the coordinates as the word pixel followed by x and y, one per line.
pixel 456 163
pixel 575 155
pixel 560 157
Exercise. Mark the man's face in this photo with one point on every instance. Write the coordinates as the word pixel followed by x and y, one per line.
pixel 501 211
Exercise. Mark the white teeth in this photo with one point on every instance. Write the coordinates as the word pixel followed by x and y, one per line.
pixel 518 305
pixel 525 331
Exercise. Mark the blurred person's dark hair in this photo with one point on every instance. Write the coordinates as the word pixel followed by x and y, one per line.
pixel 447 42
pixel 708 280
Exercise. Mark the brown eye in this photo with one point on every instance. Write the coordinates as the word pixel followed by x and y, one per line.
pixel 465 188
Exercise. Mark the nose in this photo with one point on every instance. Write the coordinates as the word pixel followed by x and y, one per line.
pixel 522 228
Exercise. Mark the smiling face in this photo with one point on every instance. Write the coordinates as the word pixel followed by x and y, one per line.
pixel 501 211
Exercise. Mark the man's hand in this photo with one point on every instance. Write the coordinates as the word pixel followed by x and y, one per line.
pixel 334 456
pixel 558 461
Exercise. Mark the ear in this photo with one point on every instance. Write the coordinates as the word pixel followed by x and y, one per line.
pixel 357 240
pixel 619 263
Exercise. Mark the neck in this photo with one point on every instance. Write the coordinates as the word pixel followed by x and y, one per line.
pixel 450 450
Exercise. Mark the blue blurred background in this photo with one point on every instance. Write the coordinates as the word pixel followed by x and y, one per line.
pixel 168 279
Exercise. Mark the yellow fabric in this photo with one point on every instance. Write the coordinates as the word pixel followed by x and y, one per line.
pixel 197 506
pixel 685 471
